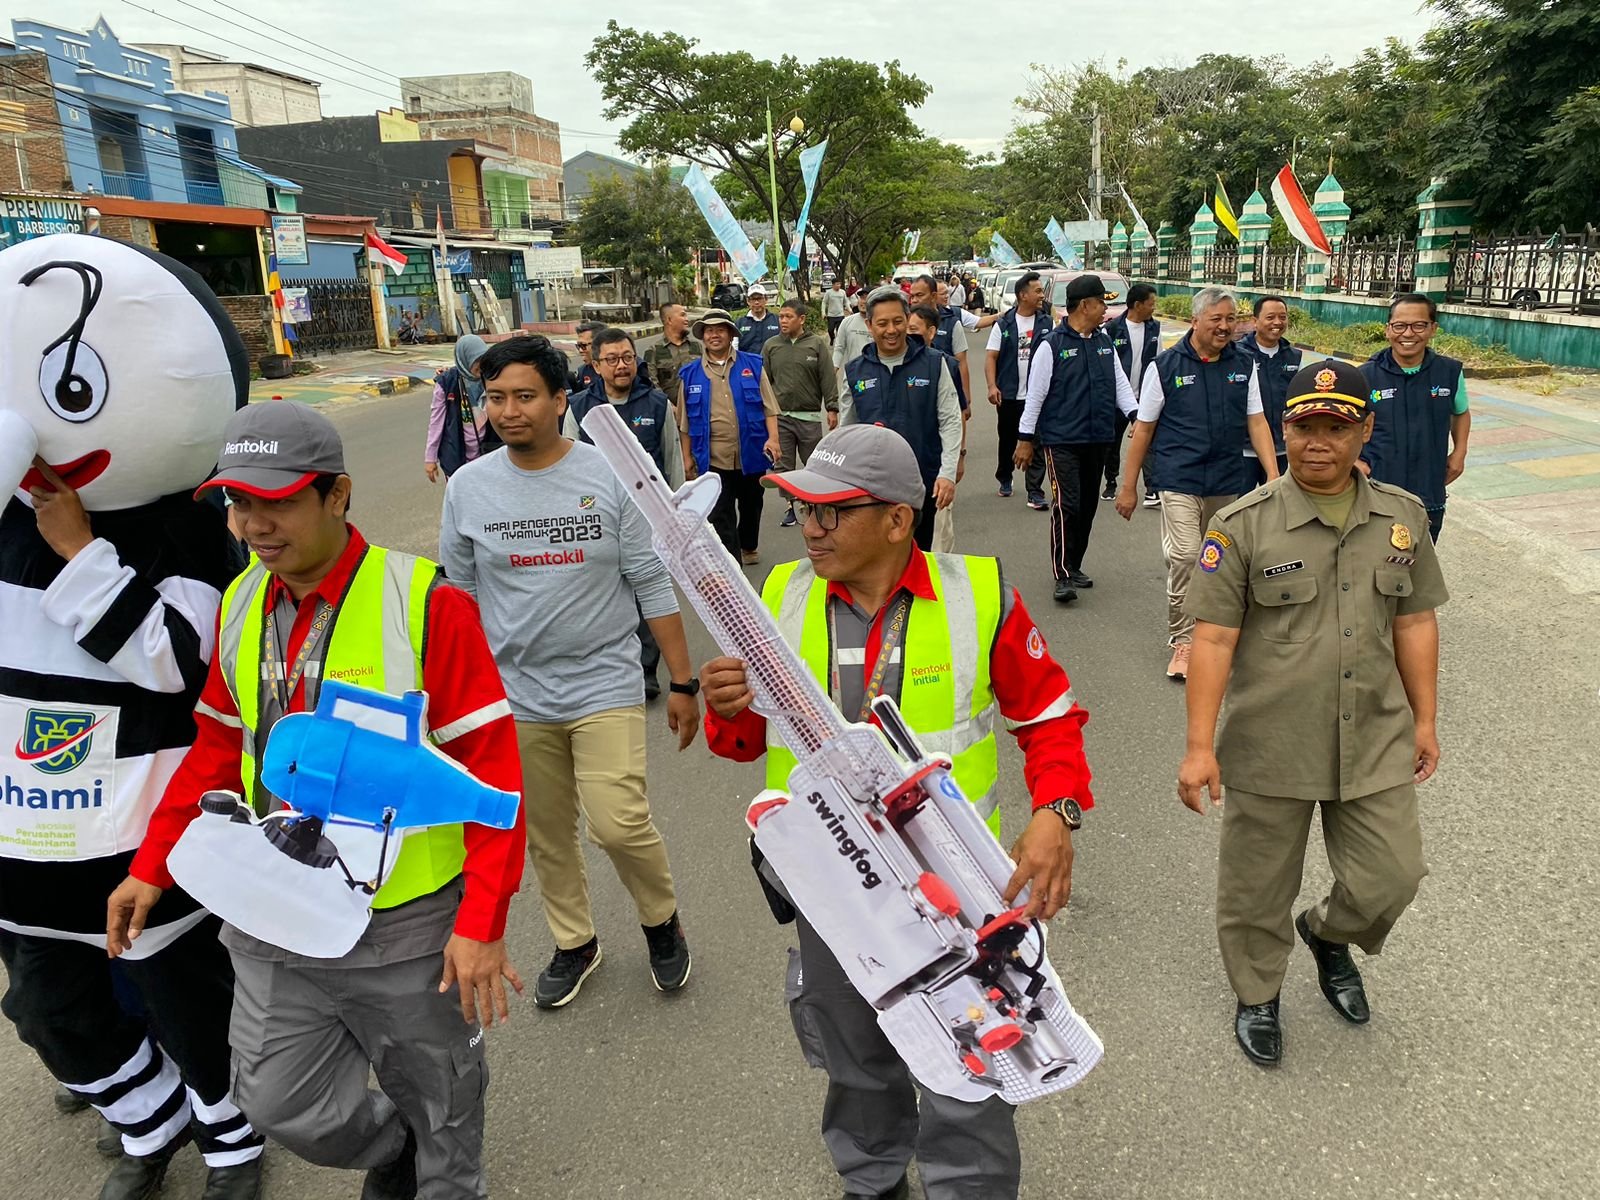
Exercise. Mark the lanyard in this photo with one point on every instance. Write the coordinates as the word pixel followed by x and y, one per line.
pixel 893 631
pixel 284 689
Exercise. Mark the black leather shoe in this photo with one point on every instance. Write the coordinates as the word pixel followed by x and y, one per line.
pixel 1065 592
pixel 68 1101
pixel 396 1180
pixel 899 1191
pixel 1259 1034
pixel 108 1142
pixel 1337 975
pixel 239 1182
pixel 1079 580
pixel 141 1178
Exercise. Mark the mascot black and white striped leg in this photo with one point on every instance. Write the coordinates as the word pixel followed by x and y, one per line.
pixel 119 370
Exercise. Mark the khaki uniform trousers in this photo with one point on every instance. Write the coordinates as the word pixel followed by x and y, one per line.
pixel 593 766
pixel 944 530
pixel 1374 846
pixel 1183 527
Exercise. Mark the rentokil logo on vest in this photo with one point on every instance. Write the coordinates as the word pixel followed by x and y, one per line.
pixel 251 446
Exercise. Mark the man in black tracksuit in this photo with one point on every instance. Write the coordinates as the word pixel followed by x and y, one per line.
pixel 1076 388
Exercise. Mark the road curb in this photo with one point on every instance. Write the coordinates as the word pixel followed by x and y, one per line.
pixel 390 387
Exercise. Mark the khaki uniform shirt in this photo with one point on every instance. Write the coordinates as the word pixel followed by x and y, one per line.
pixel 665 360
pixel 724 421
pixel 1315 706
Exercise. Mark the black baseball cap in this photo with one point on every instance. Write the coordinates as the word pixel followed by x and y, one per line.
pixel 1087 286
pixel 1333 387
pixel 274 448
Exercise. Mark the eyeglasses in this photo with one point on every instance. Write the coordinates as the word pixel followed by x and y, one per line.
pixel 1410 326
pixel 619 360
pixel 827 515
pixel 585 345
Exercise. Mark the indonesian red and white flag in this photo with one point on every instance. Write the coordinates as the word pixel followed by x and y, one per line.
pixel 380 252
pixel 1296 212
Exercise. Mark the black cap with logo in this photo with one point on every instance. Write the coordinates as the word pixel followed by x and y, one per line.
pixel 1333 387
pixel 275 448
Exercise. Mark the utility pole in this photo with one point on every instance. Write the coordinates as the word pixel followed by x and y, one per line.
pixel 1095 181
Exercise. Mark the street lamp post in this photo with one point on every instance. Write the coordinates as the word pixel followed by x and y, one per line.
pixel 796 126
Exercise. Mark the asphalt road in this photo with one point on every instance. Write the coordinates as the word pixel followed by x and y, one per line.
pixel 1477 1077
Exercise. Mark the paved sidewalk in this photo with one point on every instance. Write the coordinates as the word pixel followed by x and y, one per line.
pixel 1535 461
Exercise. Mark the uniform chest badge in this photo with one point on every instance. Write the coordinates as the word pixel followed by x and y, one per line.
pixel 1399 536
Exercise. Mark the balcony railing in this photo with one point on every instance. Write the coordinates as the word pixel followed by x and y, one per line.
pixel 126 183
pixel 203 193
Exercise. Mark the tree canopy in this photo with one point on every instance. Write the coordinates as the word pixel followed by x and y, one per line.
pixel 644 223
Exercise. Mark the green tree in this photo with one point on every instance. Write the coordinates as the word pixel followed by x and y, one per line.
pixel 1378 113
pixel 1515 124
pixel 643 223
pixel 710 108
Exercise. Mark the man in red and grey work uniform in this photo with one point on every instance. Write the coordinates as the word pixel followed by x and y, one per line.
pixel 408 1000
pixel 867 610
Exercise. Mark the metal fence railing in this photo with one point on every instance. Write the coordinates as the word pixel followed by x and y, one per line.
pixel 341 317
pixel 1374 267
pixel 1558 273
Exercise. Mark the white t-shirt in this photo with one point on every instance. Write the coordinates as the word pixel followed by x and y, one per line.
pixel 1028 328
pixel 1152 399
pixel 968 319
pixel 958 296
pixel 1136 345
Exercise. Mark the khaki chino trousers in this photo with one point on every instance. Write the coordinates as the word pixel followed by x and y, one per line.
pixel 592 767
pixel 1374 846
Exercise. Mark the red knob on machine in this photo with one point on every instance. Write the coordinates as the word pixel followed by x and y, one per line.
pixel 939 893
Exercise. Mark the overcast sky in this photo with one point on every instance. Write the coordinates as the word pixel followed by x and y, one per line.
pixel 971 63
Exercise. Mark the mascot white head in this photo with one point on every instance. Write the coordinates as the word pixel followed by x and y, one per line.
pixel 119 370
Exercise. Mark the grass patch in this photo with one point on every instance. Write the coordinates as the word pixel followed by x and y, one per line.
pixel 1363 339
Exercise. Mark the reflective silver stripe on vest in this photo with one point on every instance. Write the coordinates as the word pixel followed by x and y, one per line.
pixel 962 614
pixel 203 709
pixel 232 632
pixel 400 667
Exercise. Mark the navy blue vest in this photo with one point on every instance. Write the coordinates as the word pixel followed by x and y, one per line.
pixel 944 340
pixel 905 400
pixel 1118 330
pixel 953 363
pixel 1275 370
pixel 755 333
pixel 1005 369
pixel 461 440
pixel 584 377
pixel 744 381
pixel 1081 406
pixel 647 412
pixel 1198 448
pixel 1411 423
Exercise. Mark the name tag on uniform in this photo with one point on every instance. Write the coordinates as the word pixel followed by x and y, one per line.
pixel 1283 569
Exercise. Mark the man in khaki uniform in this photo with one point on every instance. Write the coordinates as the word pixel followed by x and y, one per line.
pixel 673 352
pixel 1317 592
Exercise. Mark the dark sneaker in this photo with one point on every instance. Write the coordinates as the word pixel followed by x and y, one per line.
pixel 68 1101
pixel 242 1181
pixel 108 1142
pixel 559 982
pixel 669 954
pixel 1109 492
pixel 395 1180
pixel 789 519
pixel 1037 501
pixel 1005 491
pixel 1151 500
pixel 141 1178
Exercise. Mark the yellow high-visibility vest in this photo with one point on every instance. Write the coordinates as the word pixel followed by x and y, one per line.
pixel 374 641
pixel 945 691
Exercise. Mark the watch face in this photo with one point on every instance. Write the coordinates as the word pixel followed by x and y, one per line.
pixel 1071 811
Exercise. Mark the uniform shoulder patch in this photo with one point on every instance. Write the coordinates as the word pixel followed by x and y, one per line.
pixel 1211 552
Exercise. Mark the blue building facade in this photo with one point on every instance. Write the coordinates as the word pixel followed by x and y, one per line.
pixel 129 132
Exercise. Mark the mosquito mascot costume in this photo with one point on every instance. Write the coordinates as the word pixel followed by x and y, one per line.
pixel 119 371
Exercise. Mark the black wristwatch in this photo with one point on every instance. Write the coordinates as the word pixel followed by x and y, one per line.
pixel 1067 809
pixel 692 688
